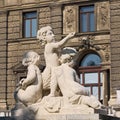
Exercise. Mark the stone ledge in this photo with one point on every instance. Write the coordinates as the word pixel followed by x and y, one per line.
pixel 70 117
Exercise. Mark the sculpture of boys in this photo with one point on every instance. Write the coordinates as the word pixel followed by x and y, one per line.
pixel 66 79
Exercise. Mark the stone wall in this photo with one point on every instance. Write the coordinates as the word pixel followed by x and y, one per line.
pixel 115 46
pixel 3 59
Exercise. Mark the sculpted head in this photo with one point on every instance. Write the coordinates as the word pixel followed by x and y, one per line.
pixel 45 34
pixel 31 57
pixel 67 55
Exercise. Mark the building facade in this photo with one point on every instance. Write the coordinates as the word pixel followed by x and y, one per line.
pixel 97 38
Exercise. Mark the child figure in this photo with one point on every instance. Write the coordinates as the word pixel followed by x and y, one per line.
pixel 47 37
pixel 30 88
pixel 66 79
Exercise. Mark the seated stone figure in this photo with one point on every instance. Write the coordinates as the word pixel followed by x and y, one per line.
pixel 65 78
pixel 29 90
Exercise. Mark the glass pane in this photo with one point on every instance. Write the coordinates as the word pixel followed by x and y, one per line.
pixel 91 60
pixel 30 15
pixel 34 27
pixel 89 89
pixel 87 9
pixel 83 23
pixel 95 92
pixel 101 77
pixel 27 28
pixel 92 22
pixel 81 79
pixel 91 78
pixel 101 93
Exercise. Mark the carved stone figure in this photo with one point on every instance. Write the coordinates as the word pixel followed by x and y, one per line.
pixel 63 76
pixel 58 73
pixel 29 90
pixel 47 38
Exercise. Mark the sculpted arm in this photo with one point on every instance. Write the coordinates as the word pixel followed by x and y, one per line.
pixel 30 77
pixel 64 40
pixel 76 77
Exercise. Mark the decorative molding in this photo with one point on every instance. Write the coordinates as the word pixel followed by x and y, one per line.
pixel 69 19
pixel 103 16
pixel 88 43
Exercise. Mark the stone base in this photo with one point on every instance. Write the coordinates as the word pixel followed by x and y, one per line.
pixel 69 117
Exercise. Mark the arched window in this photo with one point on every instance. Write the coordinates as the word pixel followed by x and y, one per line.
pixel 91 75
pixel 91 60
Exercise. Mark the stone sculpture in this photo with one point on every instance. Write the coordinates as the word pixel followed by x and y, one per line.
pixel 58 74
pixel 47 38
pixel 30 88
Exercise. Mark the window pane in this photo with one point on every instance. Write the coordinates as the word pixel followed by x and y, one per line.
pixel 27 28
pixel 101 77
pixel 87 22
pixel 95 91
pixel 30 24
pixel 91 60
pixel 101 93
pixel 84 23
pixel 81 79
pixel 91 78
pixel 30 15
pixel 92 22
pixel 34 27
pixel 87 9
pixel 89 89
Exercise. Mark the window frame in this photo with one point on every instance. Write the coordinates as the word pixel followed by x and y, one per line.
pixel 91 69
pixel 24 26
pixel 88 21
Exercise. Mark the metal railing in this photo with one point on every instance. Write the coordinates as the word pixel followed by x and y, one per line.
pixel 5 113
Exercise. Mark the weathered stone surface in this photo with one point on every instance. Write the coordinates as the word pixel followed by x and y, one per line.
pixel 70 117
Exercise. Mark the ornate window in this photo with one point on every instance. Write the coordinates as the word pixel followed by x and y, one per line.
pixel 91 75
pixel 30 24
pixel 87 19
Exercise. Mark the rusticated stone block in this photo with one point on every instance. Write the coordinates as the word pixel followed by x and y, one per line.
pixel 45 20
pixel 115 13
pixel 115 25
pixel 56 11
pixel 2 18
pixel 2 37
pixel 115 6
pixel 56 19
pixel 11 13
pixel 13 36
pixel 3 25
pixel 44 9
pixel 44 15
pixel 13 24
pixel 115 32
pixel 115 38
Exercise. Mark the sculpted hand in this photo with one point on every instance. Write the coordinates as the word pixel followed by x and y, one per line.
pixel 21 81
pixel 23 84
pixel 70 35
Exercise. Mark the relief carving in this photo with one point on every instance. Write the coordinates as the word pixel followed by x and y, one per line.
pixel 103 16
pixel 69 19
pixel 88 43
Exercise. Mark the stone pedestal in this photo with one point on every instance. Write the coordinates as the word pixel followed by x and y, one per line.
pixel 70 117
